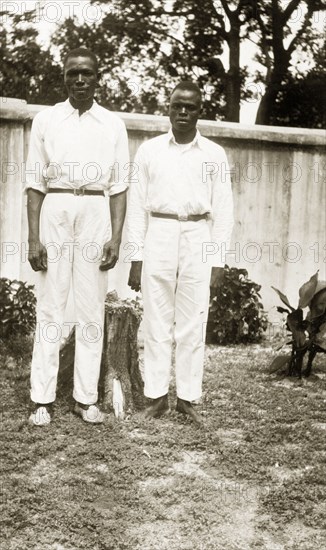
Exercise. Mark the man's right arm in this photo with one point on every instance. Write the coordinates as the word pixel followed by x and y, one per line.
pixel 36 188
pixel 37 255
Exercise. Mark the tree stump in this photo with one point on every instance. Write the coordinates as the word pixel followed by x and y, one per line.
pixel 121 384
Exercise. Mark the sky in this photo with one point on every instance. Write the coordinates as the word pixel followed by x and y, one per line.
pixel 51 13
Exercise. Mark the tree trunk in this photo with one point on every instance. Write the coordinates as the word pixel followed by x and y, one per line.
pixel 281 63
pixel 120 384
pixel 266 106
pixel 120 360
pixel 233 93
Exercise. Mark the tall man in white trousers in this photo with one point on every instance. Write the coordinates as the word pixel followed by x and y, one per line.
pixel 77 151
pixel 180 222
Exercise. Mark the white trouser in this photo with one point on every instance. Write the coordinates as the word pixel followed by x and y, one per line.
pixel 175 288
pixel 73 229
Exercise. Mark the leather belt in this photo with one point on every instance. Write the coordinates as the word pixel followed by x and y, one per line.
pixel 76 192
pixel 190 218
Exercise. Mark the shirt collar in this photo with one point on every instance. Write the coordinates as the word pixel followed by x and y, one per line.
pixel 95 110
pixel 198 140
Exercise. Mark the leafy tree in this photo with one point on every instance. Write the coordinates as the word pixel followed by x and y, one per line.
pixel 207 27
pixel 278 43
pixel 301 100
pixel 166 41
pixel 120 67
pixel 182 39
pixel 27 71
pixel 145 47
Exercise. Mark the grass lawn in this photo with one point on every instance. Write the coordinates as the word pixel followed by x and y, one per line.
pixel 253 478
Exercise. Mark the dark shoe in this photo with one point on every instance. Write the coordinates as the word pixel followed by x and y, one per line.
pixel 185 407
pixel 158 407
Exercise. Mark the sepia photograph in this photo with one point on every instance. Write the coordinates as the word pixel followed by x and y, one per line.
pixel 163 274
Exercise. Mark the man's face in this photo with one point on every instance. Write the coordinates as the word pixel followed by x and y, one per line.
pixel 184 110
pixel 80 77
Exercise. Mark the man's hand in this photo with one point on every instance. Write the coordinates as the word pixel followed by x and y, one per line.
pixel 217 277
pixel 37 256
pixel 135 275
pixel 110 255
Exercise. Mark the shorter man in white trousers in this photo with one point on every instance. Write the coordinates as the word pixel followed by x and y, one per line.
pixel 76 149
pixel 180 222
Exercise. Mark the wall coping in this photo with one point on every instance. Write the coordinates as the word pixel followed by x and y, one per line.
pixel 12 109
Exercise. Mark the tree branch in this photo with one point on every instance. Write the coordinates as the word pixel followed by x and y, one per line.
pixel 260 22
pixel 264 44
pixel 251 40
pixel 290 8
pixel 221 30
pixel 226 8
pixel 234 14
pixel 174 39
pixel 220 19
pixel 296 38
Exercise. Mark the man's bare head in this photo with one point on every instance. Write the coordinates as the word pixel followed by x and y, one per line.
pixel 184 110
pixel 188 86
pixel 81 78
pixel 81 52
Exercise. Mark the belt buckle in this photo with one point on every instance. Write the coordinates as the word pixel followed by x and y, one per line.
pixel 78 192
pixel 183 218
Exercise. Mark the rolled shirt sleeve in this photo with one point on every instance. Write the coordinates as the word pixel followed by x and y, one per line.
pixel 37 159
pixel 119 180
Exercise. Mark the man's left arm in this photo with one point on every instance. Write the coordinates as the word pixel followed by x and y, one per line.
pixel 111 248
pixel 118 201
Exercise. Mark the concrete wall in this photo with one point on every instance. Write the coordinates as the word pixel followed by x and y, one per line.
pixel 278 179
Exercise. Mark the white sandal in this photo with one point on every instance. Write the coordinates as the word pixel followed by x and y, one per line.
pixel 91 414
pixel 41 416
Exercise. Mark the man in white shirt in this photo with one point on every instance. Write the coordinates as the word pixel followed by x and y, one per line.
pixel 180 219
pixel 77 151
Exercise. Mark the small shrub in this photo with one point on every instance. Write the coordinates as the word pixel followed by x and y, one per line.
pixel 17 308
pixel 15 355
pixel 236 312
pixel 309 334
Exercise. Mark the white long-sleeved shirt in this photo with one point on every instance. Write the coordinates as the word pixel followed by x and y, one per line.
pixel 71 151
pixel 181 179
